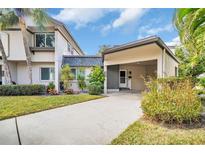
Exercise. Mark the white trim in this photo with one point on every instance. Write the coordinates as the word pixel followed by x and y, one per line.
pixel 126 81
pixel 43 33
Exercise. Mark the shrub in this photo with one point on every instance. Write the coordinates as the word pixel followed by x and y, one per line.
pixel 51 85
pixel 12 90
pixel 69 91
pixel 175 102
pixel 81 79
pixel 51 89
pixel 202 82
pixel 96 80
pixel 95 89
pixel 66 76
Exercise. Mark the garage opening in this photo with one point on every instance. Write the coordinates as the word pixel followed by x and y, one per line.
pixel 130 76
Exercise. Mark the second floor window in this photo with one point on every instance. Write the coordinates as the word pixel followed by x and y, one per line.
pixel 44 40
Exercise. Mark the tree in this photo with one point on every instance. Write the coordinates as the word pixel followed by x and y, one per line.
pixel 102 48
pixel 96 76
pixel 81 78
pixel 190 24
pixel 17 16
pixel 6 20
pixel 66 76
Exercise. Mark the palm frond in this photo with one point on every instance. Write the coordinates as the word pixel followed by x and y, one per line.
pixel 8 20
pixel 40 18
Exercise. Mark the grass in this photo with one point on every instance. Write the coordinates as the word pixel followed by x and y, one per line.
pixel 13 106
pixel 145 132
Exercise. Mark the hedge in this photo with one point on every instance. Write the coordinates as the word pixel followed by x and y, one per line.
pixel 171 101
pixel 17 90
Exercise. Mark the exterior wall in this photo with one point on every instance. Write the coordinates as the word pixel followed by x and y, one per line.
pixel 22 73
pixel 16 46
pixel 170 65
pixel 13 70
pixel 36 72
pixel 137 54
pixel 138 72
pixel 43 56
pixel 61 48
pixel 70 40
pixel 5 41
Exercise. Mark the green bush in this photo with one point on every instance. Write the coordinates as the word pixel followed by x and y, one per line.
pixel 95 89
pixel 175 102
pixel 81 78
pixel 51 85
pixel 15 90
pixel 202 82
pixel 96 76
pixel 96 81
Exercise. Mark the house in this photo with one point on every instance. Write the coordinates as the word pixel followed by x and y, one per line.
pixel 47 47
pixel 124 65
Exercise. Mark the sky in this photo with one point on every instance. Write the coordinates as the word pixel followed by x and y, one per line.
pixel 92 28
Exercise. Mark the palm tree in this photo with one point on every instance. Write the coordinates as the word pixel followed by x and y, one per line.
pixel 190 23
pixel 39 17
pixel 6 20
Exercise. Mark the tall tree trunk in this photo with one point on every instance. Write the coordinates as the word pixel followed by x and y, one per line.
pixel 7 73
pixel 26 46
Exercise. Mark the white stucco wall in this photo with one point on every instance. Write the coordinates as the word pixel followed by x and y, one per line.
pixel 36 72
pixel 22 73
pixel 5 41
pixel 16 46
pixel 43 56
pixel 13 70
pixel 170 65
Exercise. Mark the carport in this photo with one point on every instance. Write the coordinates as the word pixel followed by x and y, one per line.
pixel 126 66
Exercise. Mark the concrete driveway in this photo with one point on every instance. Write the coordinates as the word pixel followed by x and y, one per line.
pixel 93 122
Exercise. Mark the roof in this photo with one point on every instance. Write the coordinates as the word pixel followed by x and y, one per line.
pixel 82 61
pixel 141 42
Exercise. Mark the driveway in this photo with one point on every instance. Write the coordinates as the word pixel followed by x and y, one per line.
pixel 93 122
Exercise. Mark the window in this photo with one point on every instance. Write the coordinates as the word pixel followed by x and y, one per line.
pixel 74 72
pixel 44 40
pixel 47 74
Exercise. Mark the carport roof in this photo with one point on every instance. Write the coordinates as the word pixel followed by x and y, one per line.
pixel 141 42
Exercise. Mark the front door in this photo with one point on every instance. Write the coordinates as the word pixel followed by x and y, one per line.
pixel 123 78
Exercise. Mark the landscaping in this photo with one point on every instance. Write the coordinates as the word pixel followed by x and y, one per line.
pixel 149 133
pixel 172 115
pixel 20 105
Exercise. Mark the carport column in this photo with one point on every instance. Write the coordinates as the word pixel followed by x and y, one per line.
pixel 105 82
pixel 159 66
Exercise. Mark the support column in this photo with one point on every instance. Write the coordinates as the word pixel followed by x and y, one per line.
pixel 57 85
pixel 159 67
pixel 105 82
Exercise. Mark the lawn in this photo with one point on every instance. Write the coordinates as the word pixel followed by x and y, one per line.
pixel 145 132
pixel 13 106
